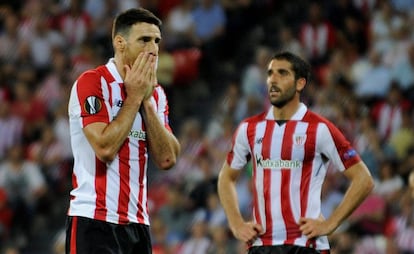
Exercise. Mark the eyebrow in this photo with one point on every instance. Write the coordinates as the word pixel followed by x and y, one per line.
pixel 149 36
pixel 279 70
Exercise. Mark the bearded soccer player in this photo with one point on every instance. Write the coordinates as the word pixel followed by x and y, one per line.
pixel 118 120
pixel 289 147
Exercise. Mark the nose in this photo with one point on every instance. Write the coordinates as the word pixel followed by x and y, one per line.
pixel 152 47
pixel 271 78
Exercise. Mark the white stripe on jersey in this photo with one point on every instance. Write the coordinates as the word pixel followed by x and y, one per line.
pixel 134 192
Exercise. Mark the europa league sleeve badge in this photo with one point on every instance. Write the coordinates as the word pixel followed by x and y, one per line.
pixel 92 105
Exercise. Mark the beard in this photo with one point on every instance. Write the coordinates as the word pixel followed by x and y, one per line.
pixel 284 97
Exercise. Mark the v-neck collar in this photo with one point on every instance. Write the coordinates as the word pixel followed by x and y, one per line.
pixel 299 114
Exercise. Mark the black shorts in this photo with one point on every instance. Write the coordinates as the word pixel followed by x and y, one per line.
pixel 88 236
pixel 285 249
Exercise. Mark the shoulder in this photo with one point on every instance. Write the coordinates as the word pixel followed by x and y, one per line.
pixel 314 118
pixel 91 74
pixel 325 124
pixel 255 119
pixel 94 76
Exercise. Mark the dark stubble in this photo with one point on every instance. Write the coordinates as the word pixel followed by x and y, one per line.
pixel 284 97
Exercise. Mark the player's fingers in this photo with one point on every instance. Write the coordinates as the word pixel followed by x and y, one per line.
pixel 127 69
pixel 153 69
pixel 302 220
pixel 148 70
pixel 140 62
pixel 258 228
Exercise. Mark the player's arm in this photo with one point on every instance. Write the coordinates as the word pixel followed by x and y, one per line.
pixel 361 184
pixel 106 139
pixel 163 145
pixel 242 230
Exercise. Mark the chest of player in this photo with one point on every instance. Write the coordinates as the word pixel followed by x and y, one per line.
pixel 116 102
pixel 287 145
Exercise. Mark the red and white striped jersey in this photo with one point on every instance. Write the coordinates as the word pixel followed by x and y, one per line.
pixel 289 166
pixel 115 192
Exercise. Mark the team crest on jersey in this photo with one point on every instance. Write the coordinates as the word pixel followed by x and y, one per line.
pixel 299 140
pixel 92 105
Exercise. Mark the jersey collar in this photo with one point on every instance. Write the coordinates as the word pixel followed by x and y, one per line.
pixel 299 114
pixel 113 70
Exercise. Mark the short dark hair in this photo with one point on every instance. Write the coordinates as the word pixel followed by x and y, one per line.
pixel 301 68
pixel 128 18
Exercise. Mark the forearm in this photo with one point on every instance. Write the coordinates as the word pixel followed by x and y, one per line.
pixel 357 191
pixel 163 146
pixel 107 140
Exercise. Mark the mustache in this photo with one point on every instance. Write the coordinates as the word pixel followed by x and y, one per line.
pixel 274 88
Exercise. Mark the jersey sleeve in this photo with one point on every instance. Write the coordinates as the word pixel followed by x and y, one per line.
pixel 161 102
pixel 93 102
pixel 239 154
pixel 336 147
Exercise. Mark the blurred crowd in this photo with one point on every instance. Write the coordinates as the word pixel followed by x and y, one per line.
pixel 212 64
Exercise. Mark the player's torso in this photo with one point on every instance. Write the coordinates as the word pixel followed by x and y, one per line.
pixel 288 172
pixel 289 146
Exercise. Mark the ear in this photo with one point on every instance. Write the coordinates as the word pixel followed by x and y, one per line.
pixel 300 84
pixel 119 43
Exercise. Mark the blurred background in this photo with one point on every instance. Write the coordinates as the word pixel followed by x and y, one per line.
pixel 212 65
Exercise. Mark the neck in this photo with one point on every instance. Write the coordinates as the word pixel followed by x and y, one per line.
pixel 120 66
pixel 287 111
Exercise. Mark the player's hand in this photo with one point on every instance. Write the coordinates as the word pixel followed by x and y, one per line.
pixel 153 80
pixel 247 232
pixel 315 227
pixel 139 78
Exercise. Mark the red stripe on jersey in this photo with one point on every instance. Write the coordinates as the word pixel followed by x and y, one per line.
pixel 74 184
pixel 73 235
pixel 109 79
pixel 310 147
pixel 89 85
pixel 311 243
pixel 292 228
pixel 124 190
pixel 142 151
pixel 251 133
pixel 166 108
pixel 267 182
pixel 155 94
pixel 230 154
pixel 342 144
pixel 100 190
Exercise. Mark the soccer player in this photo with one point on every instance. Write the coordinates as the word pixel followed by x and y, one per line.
pixel 118 118
pixel 289 147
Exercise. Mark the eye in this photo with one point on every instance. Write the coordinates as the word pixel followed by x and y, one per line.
pixel 269 73
pixel 283 72
pixel 146 39
pixel 157 40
